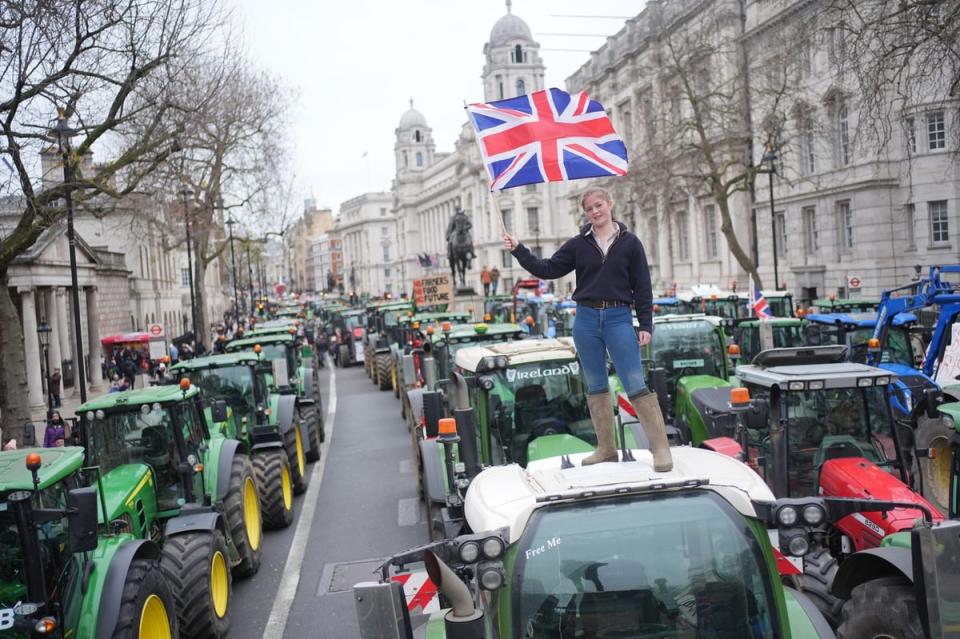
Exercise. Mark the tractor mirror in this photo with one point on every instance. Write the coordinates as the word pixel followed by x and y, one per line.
pixel 82 522
pixel 933 397
pixel 280 376
pixel 219 411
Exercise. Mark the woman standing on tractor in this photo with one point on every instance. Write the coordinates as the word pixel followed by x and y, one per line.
pixel 612 277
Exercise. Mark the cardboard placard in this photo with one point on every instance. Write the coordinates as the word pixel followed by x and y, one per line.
pixel 433 290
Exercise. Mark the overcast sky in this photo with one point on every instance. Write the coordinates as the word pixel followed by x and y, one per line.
pixel 357 63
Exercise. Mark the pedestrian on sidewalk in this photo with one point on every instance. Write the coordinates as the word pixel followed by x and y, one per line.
pixel 485 280
pixel 53 385
pixel 612 276
pixel 494 280
pixel 56 432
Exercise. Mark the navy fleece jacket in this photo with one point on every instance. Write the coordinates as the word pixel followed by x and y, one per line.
pixel 622 275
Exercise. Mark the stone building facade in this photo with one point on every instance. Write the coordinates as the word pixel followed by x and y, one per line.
pixel 298 238
pixel 367 231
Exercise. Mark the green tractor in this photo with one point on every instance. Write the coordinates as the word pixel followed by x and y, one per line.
pixel 409 351
pixel 558 551
pixel 62 574
pixel 171 471
pixel 383 320
pixel 290 374
pixel 267 426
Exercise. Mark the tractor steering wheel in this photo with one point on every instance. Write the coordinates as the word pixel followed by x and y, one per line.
pixel 548 426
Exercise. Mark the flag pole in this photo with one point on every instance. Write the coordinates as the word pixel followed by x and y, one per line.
pixel 493 199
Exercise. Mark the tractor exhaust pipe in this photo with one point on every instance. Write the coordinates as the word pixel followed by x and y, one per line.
pixel 461 397
pixel 463 621
pixel 778 444
pixel 467 429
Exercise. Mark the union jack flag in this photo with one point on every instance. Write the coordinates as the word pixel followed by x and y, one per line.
pixel 546 136
pixel 759 303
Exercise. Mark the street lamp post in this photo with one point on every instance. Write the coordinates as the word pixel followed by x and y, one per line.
pixel 43 333
pixel 63 132
pixel 233 267
pixel 253 302
pixel 768 165
pixel 185 194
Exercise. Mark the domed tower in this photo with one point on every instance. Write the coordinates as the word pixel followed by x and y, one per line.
pixel 414 145
pixel 513 66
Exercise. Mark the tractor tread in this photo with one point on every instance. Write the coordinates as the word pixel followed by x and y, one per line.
pixel 290 446
pixel 884 607
pixel 383 372
pixel 249 564
pixel 186 563
pixel 819 569
pixel 308 415
pixel 268 468
pixel 144 578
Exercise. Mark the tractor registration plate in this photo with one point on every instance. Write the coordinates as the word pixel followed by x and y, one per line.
pixel 7 618
pixel 687 363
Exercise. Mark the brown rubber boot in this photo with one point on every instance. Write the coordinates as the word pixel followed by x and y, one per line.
pixel 650 417
pixel 601 413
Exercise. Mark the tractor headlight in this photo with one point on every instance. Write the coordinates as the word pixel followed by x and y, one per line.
pixel 787 516
pixel 798 545
pixel 492 547
pixel 100 414
pixel 865 381
pixel 795 386
pixel 486 383
pixel 145 409
pixel 501 361
pixel 813 515
pixel 469 552
pixel 883 381
pixel 490 575
pixel 816 384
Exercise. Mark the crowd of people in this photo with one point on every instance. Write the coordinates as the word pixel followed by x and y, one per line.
pixel 490 278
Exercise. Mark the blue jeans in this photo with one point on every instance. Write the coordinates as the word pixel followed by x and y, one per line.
pixel 598 331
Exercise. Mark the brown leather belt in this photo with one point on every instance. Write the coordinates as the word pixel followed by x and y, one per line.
pixel 603 304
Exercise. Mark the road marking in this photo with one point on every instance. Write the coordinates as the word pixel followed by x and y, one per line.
pixel 408 511
pixel 287 591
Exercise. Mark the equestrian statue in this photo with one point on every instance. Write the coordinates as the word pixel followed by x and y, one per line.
pixel 460 246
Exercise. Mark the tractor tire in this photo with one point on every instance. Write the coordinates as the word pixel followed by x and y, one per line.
pixel 293 445
pixel 197 569
pixel 881 608
pixel 934 473
pixel 312 418
pixel 383 372
pixel 272 469
pixel 344 356
pixel 393 378
pixel 147 607
pixel 366 364
pixel 819 569
pixel 241 508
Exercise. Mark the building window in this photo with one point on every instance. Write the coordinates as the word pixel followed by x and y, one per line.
pixel 652 228
pixel 518 54
pixel 810 147
pixel 911 135
pixel 911 215
pixel 383 213
pixel 780 232
pixel 845 223
pixel 506 259
pixel 521 87
pixel 184 277
pixel 533 220
pixel 936 131
pixel 843 130
pixel 383 229
pixel 386 273
pixel 710 231
pixel 683 237
pixel 416 135
pixel 500 86
pixel 419 158
pixel 939 224
pixel 386 253
pixel 507 219
pixel 811 236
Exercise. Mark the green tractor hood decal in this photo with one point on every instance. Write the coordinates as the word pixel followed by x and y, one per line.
pixel 56 464
pixel 556 445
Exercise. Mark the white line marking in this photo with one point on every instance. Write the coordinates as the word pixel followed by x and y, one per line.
pixel 408 511
pixel 287 591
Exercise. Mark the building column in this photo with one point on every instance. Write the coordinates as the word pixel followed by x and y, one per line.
pixel 95 379
pixel 31 350
pixel 54 352
pixel 60 301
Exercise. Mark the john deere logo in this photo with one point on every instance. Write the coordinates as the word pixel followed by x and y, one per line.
pixel 513 374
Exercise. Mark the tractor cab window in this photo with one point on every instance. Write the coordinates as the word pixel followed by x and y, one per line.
pixel 233 384
pixel 687 348
pixel 280 351
pixel 142 436
pixel 901 346
pixel 534 400
pixel 680 565
pixel 781 306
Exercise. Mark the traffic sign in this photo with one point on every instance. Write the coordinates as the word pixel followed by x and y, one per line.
pixel 854 282
pixel 156 330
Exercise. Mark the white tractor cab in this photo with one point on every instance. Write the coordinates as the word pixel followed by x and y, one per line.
pixel 557 550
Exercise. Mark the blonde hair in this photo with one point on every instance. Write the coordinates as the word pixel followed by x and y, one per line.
pixel 596 190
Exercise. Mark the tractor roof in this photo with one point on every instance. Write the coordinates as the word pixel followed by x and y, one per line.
pixel 474 332
pixel 241 358
pixel 250 342
pixel 350 312
pixel 666 301
pixel 388 305
pixel 773 321
pixel 55 465
pixel 690 317
pixel 783 366
pixel 859 320
pixel 506 496
pixel 283 322
pixel 518 352
pixel 436 316
pixel 269 330
pixel 137 397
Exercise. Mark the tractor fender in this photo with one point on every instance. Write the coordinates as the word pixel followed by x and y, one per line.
pixel 111 595
pixel 286 408
pixel 203 520
pixel 225 464
pixel 415 401
pixel 434 475
pixel 860 567
pixel 266 446
pixel 308 386
pixel 814 616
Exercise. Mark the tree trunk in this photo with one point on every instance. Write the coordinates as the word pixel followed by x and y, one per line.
pixel 733 242
pixel 200 294
pixel 13 373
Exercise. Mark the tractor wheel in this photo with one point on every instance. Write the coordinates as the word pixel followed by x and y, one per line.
pixel 272 469
pixel 393 379
pixel 312 418
pixel 197 569
pixel 344 356
pixel 241 508
pixel 884 608
pixel 383 372
pixel 819 569
pixel 934 473
pixel 293 445
pixel 147 609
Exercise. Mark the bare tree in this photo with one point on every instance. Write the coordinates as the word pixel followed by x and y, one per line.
pixel 109 66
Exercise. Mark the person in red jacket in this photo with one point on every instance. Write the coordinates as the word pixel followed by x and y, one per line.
pixel 612 276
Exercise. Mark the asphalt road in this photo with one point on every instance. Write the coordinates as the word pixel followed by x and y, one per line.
pixel 365 509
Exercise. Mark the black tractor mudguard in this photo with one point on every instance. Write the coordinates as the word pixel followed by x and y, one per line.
pixel 433 471
pixel 112 595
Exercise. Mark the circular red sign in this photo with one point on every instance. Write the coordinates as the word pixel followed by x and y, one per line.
pixel 156 330
pixel 854 282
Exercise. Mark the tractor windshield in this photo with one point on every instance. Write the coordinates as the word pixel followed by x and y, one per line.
pixel 681 565
pixel 280 351
pixel 784 336
pixel 236 385
pixel 902 347
pixel 687 348
pixel 533 400
pixel 781 306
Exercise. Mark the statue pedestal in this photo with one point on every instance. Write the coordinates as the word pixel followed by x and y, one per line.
pixel 465 291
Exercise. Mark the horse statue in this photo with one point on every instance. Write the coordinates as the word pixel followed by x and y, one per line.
pixel 459 246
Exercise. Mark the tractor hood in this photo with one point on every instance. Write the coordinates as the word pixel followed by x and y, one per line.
pixel 547 446
pixel 56 464
pixel 124 485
